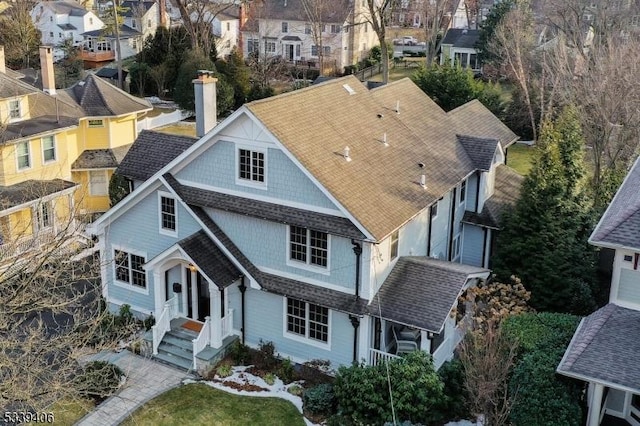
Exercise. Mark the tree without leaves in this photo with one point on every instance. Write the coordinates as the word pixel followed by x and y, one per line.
pixel 318 13
pixel 434 14
pixel 19 35
pixel 379 13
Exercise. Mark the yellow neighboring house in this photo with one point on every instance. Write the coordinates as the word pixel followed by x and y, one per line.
pixel 58 150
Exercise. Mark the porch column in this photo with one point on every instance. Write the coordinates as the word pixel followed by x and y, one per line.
pixel 183 278
pixel 216 321
pixel 595 404
pixel 194 294
pixel 425 342
pixel 364 339
pixel 158 291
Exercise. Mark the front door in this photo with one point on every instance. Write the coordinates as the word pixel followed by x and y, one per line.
pixel 204 298
pixel 289 51
pixel 198 297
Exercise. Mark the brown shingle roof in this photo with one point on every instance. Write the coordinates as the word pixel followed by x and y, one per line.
pixel 473 118
pixel 380 186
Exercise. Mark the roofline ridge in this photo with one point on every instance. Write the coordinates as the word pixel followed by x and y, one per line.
pixel 303 90
pixel 464 105
pixel 608 310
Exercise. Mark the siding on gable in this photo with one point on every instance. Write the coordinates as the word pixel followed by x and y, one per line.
pixel 440 231
pixel 285 181
pixel 629 286
pixel 472 241
pixel 267 324
pixel 472 190
pixel 265 244
pixel 138 230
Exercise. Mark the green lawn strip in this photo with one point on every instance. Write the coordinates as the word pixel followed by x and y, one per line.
pixel 519 158
pixel 68 412
pixel 199 404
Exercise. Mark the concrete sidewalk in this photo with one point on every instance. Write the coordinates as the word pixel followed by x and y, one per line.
pixel 146 379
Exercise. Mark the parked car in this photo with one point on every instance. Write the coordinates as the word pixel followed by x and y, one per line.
pixel 405 41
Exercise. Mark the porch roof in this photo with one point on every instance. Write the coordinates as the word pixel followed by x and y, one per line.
pixel 210 259
pixel 605 349
pixel 333 299
pixel 31 190
pixel 100 158
pixel 421 291
pixel 265 210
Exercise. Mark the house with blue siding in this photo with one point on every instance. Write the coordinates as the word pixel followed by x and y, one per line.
pixel 605 350
pixel 337 222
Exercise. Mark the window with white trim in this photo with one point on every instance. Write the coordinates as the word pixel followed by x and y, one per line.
pixel 98 183
pixel 308 246
pixel 335 28
pixel 285 27
pixel 44 215
pixel 15 110
pixel 269 46
pixel 128 268
pixel 307 320
pixel 251 165
pixel 24 156
pixel 48 149
pixel 393 249
pixel 95 123
pixel 463 191
pixel 168 213
pixel 456 247
pixel 307 29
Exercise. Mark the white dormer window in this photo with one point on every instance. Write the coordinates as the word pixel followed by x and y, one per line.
pixel 15 112
pixel 285 27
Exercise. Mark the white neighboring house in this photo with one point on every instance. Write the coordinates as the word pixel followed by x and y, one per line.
pixel 61 20
pixel 99 47
pixel 226 28
pixel 142 16
pixel 282 28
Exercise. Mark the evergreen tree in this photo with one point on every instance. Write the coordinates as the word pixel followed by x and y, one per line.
pixel 237 73
pixel 451 86
pixel 544 240
pixel 488 26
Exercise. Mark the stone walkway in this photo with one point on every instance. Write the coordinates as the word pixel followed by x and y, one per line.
pixel 146 379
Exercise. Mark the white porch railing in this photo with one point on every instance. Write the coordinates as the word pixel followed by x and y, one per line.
pixel 227 324
pixel 203 339
pixel 163 323
pixel 376 357
pixel 23 245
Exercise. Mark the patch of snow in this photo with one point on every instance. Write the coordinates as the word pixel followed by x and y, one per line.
pixel 240 376
pixel 463 423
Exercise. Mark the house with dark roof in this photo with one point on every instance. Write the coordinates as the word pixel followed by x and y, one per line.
pixel 338 32
pixel 59 148
pixel 59 21
pixel 605 349
pixel 458 47
pixel 337 221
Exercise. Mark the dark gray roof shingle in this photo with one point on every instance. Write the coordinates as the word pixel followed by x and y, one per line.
pixel 620 223
pixel 30 190
pixel 473 118
pixel 464 38
pixel 125 31
pixel 421 291
pixel 293 10
pixel 210 259
pixel 150 152
pixel 264 210
pixel 605 348
pixel 100 158
pixel 480 150
pixel 279 285
pixel 99 98
pixel 36 125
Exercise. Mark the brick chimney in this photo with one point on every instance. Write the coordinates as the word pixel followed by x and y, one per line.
pixel 3 67
pixel 46 68
pixel 205 100
pixel 162 13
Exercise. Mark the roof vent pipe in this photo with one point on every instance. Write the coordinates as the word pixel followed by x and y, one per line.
pixel 346 153
pixel 423 181
pixel 384 139
pixel 397 107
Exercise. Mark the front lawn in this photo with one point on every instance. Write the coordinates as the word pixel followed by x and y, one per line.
pixel 68 412
pixel 199 404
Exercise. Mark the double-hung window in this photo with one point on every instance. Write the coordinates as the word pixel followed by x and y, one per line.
pixel 269 46
pixel 393 252
pixel 168 214
pixel 251 165
pixel 307 320
pixel 129 270
pixel 285 27
pixel 98 183
pixel 48 149
pixel 44 215
pixel 24 156
pixel 308 246
pixel 14 109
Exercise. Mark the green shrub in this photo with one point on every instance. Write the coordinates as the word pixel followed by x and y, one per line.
pixel 319 399
pixel 98 379
pixel 239 353
pixel 362 392
pixel 265 357
pixel 533 330
pixel 454 402
pixel 224 370
pixel 148 322
pixel 286 372
pixel 269 379
pixel 296 390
